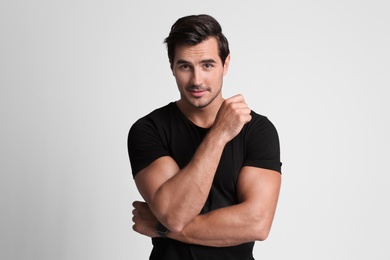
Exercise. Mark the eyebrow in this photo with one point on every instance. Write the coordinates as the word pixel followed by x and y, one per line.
pixel 203 61
pixel 208 61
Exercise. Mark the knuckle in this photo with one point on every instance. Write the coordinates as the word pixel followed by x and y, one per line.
pixel 242 118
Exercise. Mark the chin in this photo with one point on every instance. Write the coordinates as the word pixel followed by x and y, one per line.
pixel 200 103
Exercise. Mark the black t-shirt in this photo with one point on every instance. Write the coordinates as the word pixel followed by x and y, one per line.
pixel 167 132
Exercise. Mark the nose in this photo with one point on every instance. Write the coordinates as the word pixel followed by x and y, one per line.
pixel 196 77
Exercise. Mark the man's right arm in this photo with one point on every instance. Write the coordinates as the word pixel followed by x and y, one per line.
pixel 176 196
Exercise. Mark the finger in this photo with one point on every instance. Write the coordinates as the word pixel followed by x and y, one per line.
pixel 245 110
pixel 136 203
pixel 236 102
pixel 248 118
pixel 240 106
pixel 236 98
pixel 139 204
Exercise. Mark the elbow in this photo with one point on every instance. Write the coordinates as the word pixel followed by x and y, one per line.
pixel 262 235
pixel 173 223
pixel 175 227
pixel 262 228
pixel 170 219
pixel 261 232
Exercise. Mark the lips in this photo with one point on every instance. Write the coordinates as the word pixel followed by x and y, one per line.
pixel 197 90
pixel 197 93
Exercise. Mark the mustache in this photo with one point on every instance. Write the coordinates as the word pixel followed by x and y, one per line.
pixel 197 88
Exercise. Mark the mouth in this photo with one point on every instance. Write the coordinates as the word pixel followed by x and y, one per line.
pixel 197 93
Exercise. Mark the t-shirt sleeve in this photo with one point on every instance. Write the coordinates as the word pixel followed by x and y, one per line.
pixel 262 145
pixel 144 145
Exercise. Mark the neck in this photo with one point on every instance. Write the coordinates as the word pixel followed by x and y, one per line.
pixel 203 117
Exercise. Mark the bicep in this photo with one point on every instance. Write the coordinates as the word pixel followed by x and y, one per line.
pixel 151 178
pixel 260 187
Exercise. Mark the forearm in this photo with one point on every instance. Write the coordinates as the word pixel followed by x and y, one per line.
pixel 176 196
pixel 228 226
pixel 179 199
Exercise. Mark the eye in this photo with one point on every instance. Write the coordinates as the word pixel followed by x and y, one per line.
pixel 208 65
pixel 184 66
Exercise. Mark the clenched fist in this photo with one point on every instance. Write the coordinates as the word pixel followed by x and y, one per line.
pixel 233 114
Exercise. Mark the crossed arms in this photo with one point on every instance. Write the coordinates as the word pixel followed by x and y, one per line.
pixel 176 196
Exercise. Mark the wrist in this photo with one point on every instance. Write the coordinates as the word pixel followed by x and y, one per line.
pixel 217 138
pixel 162 231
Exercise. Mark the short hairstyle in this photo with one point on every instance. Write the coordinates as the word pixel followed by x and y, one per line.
pixel 193 29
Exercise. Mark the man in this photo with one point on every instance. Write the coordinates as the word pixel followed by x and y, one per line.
pixel 207 167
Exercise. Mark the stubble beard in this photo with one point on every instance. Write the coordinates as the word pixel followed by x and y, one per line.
pixel 202 104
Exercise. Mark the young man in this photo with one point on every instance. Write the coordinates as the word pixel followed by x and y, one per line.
pixel 207 167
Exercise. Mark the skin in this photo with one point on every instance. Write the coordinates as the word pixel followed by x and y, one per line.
pixel 175 196
pixel 199 72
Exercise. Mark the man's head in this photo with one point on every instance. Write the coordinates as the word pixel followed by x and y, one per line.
pixel 199 58
pixel 194 29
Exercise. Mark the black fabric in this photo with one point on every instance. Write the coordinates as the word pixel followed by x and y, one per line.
pixel 167 132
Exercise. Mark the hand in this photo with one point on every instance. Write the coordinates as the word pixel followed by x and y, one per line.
pixel 145 222
pixel 233 114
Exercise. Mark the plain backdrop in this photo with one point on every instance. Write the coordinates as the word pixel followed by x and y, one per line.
pixel 75 75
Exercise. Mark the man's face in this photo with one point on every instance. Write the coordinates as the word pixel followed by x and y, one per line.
pixel 199 72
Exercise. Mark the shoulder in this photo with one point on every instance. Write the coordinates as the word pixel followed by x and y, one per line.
pixel 260 133
pixel 262 143
pixel 163 111
pixel 260 123
pixel 158 116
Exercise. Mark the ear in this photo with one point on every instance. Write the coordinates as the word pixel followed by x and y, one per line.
pixel 226 65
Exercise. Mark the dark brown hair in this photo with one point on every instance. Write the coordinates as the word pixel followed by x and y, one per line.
pixel 193 29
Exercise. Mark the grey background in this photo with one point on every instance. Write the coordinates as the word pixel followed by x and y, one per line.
pixel 75 75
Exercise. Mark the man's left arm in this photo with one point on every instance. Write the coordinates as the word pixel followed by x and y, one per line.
pixel 250 220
